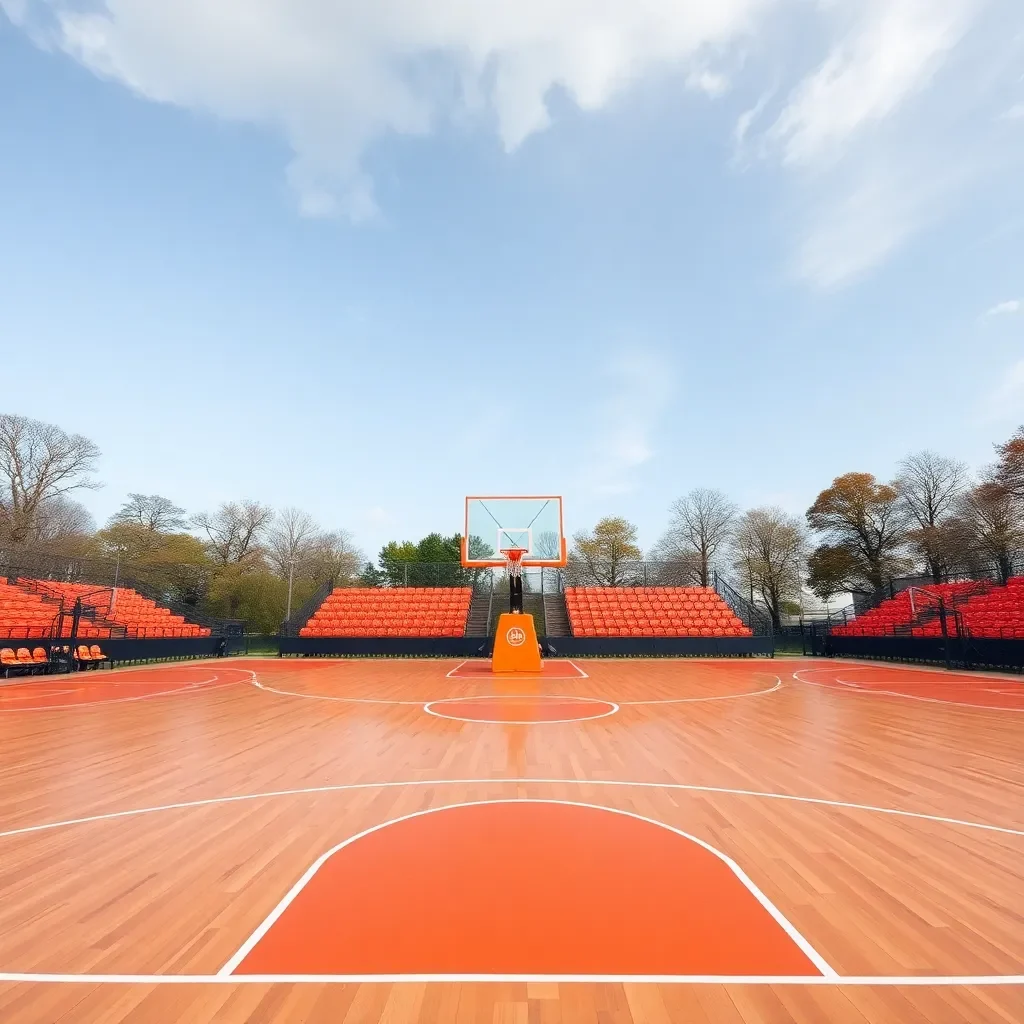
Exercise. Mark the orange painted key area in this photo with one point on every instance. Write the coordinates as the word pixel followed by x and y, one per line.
pixel 525 887
pixel 549 669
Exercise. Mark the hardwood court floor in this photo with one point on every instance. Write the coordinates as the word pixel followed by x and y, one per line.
pixel 174 839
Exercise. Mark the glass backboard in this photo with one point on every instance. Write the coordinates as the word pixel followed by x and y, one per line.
pixel 496 524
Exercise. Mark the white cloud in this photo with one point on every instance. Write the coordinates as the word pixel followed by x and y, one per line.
pixel 334 76
pixel 1005 308
pixel 893 52
pixel 1006 402
pixel 711 83
pixel 878 129
pixel 892 129
pixel 859 222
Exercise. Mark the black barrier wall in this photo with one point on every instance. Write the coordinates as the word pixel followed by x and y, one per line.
pixel 120 649
pixel 558 647
pixel 958 652
pixel 388 647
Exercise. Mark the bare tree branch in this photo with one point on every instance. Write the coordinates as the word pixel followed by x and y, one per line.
pixel 700 526
pixel 235 531
pixel 770 553
pixel 930 485
pixel 153 511
pixel 39 463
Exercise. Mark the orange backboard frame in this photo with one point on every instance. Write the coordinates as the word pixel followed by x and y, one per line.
pixel 498 560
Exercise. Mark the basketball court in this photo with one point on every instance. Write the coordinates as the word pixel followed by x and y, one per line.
pixel 605 840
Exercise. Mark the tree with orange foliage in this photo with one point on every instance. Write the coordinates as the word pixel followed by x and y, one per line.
pixel 864 527
pixel 1010 467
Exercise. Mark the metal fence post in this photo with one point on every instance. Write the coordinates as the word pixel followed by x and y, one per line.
pixel 945 632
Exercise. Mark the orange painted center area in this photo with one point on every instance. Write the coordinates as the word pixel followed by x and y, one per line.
pixel 521 709
pixel 525 887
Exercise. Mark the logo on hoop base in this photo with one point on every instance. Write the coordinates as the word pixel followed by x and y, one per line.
pixel 516 637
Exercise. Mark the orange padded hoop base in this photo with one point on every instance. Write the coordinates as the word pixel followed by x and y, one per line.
pixel 515 645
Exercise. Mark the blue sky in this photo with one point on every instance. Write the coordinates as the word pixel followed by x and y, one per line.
pixel 366 259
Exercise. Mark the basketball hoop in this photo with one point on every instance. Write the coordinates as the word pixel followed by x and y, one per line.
pixel 514 562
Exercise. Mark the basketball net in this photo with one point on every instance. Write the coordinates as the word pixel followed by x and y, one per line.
pixel 514 562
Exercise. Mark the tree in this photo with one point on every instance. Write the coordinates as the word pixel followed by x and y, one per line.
pixel 235 531
pixel 60 520
pixel 394 558
pixel 867 521
pixel 546 545
pixel 39 463
pixel 251 593
pixel 153 511
pixel 1010 467
pixel 929 487
pixel 604 555
pixel 699 527
pixel 769 553
pixel 333 556
pixel 289 542
pixel 990 512
pixel 833 569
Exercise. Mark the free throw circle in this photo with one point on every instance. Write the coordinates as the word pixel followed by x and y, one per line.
pixel 521 709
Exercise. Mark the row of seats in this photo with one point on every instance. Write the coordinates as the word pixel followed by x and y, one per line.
pixel 405 611
pixel 984 610
pixel 651 611
pixel 125 611
pixel 24 614
pixel 38 659
pixel 996 613
pixel 898 614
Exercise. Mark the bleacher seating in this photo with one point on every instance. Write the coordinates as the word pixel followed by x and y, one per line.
pixel 132 615
pixel 401 611
pixel 651 611
pixel 998 612
pixel 24 615
pixel 985 610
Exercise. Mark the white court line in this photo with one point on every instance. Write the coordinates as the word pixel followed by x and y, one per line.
pixel 323 696
pixel 32 696
pixel 518 781
pixel 849 981
pixel 873 691
pixel 780 919
pixel 516 675
pixel 70 705
pixel 697 700
pixel 439 700
pixel 610 704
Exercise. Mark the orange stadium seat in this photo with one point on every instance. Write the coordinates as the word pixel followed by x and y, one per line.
pixel 105 614
pixel 405 611
pixel 985 609
pixel 651 611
